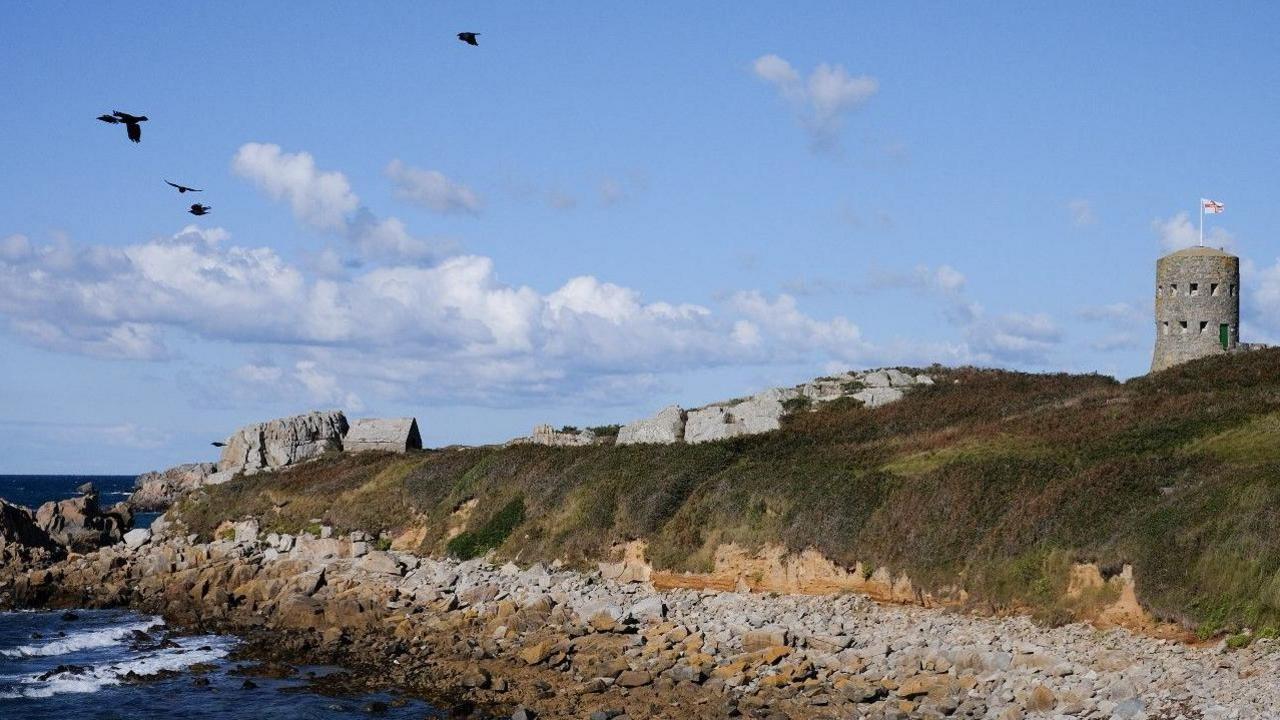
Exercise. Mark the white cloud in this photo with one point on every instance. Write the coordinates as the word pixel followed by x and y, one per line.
pixel 1263 307
pixel 1082 214
pixel 320 199
pixel 797 333
pixel 448 329
pixel 1018 337
pixel 823 100
pixel 432 189
pixel 1178 232
pixel 323 387
pixel 1118 314
pixel 323 199
pixel 389 240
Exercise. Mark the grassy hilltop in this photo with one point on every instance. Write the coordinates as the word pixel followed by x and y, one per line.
pixel 992 479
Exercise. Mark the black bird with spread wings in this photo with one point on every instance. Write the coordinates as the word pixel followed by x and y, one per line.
pixel 183 188
pixel 468 38
pixel 198 209
pixel 131 126
pixel 218 444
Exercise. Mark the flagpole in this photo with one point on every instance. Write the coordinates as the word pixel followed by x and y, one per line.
pixel 1201 222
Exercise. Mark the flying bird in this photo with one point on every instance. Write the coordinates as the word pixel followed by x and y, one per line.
pixel 198 209
pixel 183 188
pixel 131 126
pixel 468 38
pixel 218 444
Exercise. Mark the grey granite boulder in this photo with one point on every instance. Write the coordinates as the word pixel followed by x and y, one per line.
pixel 158 490
pixel 392 434
pixel 874 397
pixel 286 441
pixel 663 429
pixel 137 537
pixel 546 435
pixel 757 414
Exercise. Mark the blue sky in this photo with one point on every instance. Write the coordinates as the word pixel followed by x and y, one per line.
pixel 600 210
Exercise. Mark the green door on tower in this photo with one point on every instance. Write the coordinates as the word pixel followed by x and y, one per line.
pixel 1224 335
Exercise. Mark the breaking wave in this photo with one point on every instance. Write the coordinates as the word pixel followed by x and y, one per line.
pixel 83 640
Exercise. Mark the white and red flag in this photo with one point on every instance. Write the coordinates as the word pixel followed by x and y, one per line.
pixel 1213 207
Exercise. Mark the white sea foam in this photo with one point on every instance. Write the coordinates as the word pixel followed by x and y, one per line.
pixel 82 640
pixel 190 652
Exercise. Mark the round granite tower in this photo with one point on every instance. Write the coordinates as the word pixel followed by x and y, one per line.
pixel 1197 305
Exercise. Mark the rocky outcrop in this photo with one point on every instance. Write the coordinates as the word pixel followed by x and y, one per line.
pixel 23 544
pixel 155 491
pixel 664 428
pixel 572 645
pixel 18 527
pixel 757 414
pixel 279 443
pixel 35 538
pixel 764 411
pixel 81 525
pixel 389 434
pixel 547 435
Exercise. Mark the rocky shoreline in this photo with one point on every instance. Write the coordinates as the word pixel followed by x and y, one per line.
pixel 557 643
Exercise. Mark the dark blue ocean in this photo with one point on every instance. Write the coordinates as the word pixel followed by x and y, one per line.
pixel 116 664
pixel 32 490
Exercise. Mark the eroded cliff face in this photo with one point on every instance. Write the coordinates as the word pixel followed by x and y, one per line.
pixel 1105 602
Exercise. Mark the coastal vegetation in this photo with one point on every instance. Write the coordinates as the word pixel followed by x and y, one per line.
pixel 990 480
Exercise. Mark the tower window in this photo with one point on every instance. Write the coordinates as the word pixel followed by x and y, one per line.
pixel 1233 289
pixel 1193 289
pixel 1213 289
pixel 1183 325
pixel 1165 327
pixel 1203 324
pixel 1173 289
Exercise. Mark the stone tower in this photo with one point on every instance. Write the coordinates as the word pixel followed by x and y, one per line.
pixel 1197 305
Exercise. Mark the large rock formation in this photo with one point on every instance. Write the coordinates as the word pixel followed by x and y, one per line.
pixel 155 491
pixel 81 525
pixel 757 414
pixel 547 435
pixel 393 434
pixel 278 443
pixel 18 527
pixel 664 428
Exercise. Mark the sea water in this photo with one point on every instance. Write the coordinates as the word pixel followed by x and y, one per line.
pixel 109 664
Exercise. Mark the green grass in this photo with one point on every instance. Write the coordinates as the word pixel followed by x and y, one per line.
pixel 1255 442
pixel 988 479
pixel 474 543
